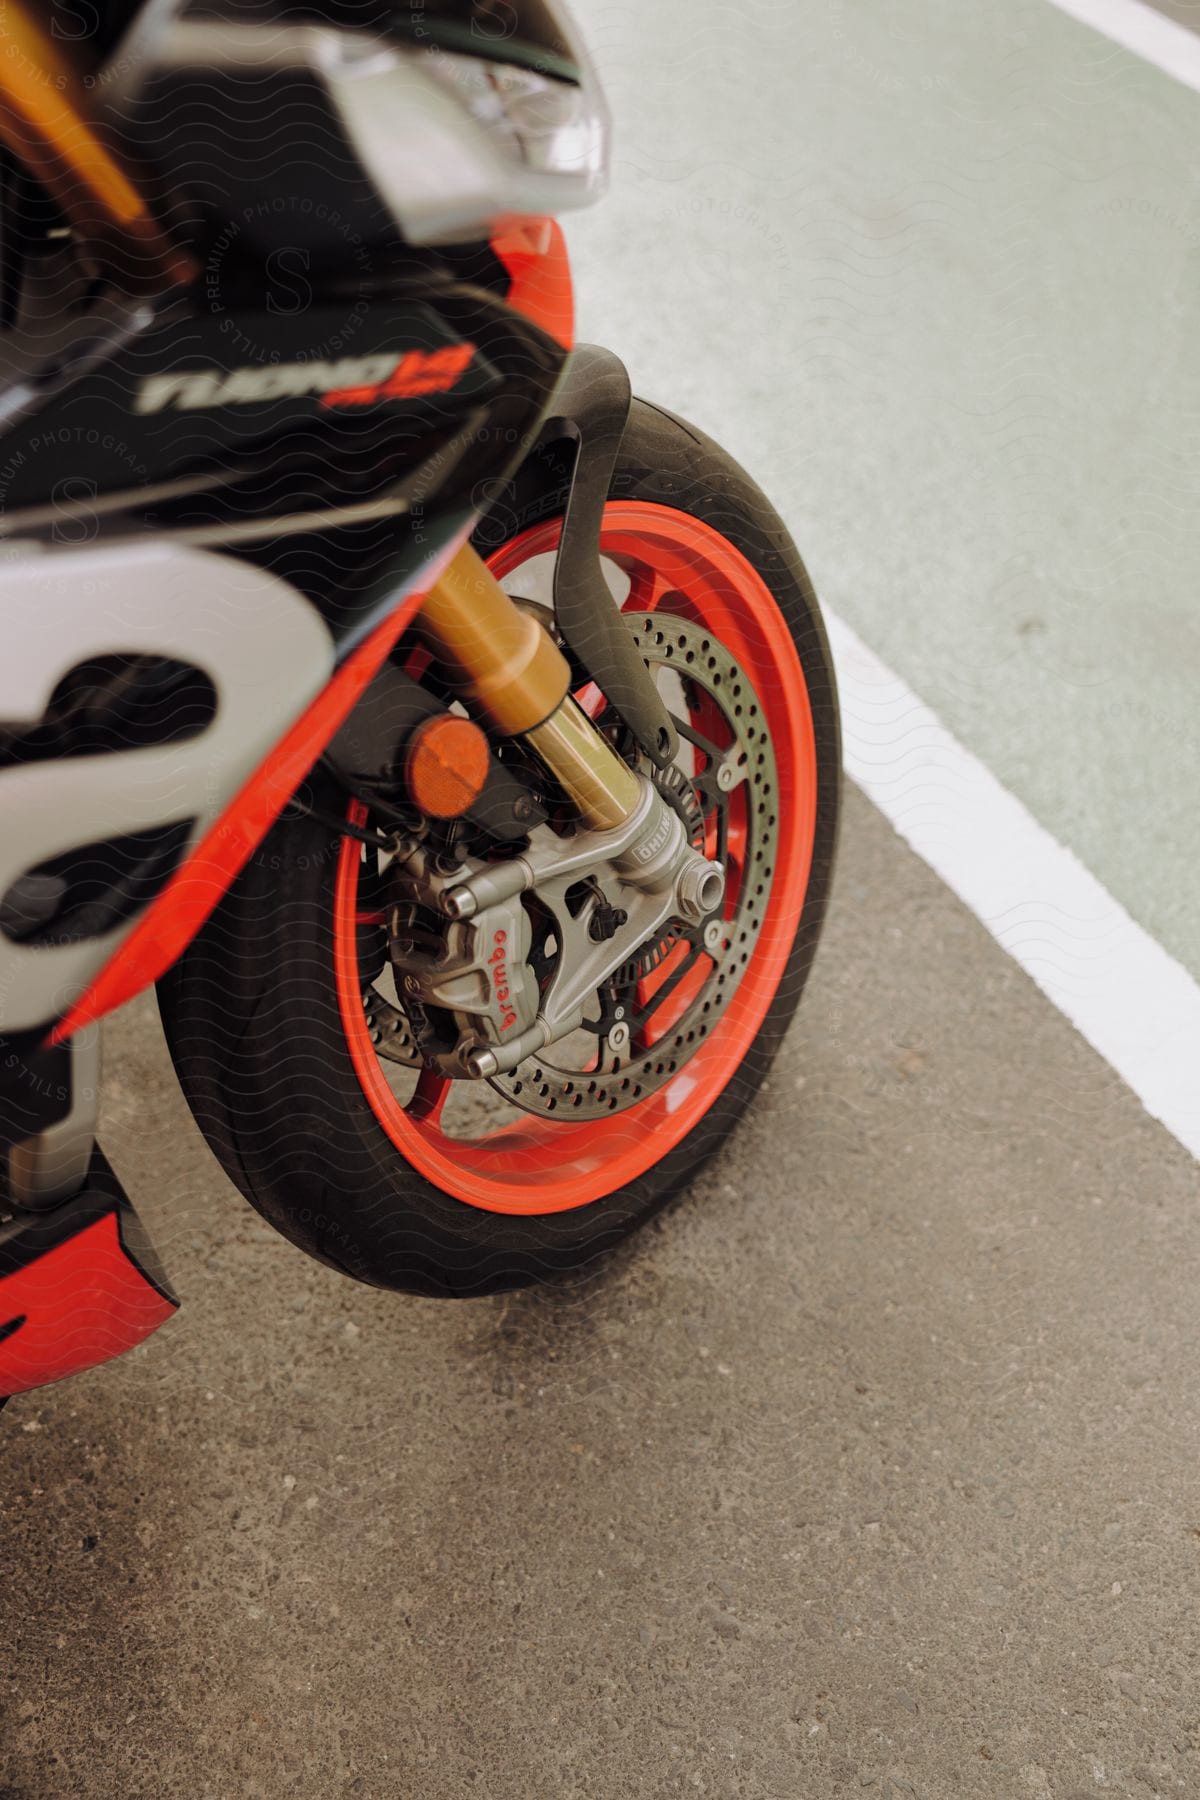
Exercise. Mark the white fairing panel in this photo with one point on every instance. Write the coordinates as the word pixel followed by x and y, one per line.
pixel 263 647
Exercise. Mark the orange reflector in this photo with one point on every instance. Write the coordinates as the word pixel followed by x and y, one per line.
pixel 447 765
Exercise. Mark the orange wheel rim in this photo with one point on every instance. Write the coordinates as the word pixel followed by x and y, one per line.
pixel 534 1165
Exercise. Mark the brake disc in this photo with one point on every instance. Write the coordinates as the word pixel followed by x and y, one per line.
pixel 619 1065
pixel 389 1031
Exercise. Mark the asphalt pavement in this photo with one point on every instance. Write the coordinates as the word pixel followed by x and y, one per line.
pixel 873 1466
pixel 932 272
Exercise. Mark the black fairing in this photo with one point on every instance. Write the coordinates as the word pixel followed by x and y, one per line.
pixel 528 31
pixel 81 462
pixel 297 264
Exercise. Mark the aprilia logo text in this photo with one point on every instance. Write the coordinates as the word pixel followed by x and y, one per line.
pixel 352 381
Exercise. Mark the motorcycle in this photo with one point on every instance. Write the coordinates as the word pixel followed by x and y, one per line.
pixel 449 735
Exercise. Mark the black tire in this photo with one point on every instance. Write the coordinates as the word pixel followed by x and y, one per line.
pixel 253 1022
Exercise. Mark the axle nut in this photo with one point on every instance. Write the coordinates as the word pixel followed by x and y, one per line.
pixel 700 889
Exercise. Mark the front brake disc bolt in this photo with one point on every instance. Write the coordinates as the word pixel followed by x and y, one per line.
pixel 726 777
pixel 712 935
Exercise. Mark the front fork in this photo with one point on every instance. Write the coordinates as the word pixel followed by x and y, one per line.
pixel 511 672
pixel 509 669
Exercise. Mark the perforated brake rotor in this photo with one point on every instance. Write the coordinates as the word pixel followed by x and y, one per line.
pixel 389 1031
pixel 732 772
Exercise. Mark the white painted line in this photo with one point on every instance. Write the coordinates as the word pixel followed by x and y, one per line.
pixel 1170 46
pixel 1120 989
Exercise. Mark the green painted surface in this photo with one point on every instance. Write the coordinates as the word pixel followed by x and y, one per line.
pixel 933 274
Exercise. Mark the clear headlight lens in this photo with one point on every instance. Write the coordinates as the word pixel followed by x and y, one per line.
pixel 552 127
pixel 456 143
pixel 453 141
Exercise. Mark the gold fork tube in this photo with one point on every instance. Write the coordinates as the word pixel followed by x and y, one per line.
pixel 513 673
pixel 603 789
pixel 507 667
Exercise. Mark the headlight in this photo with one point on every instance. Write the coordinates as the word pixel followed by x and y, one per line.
pixel 488 112
pixel 463 113
pixel 553 127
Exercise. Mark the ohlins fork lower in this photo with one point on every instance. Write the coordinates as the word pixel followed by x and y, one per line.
pixel 511 672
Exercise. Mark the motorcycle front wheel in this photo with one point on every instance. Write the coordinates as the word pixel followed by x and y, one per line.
pixel 292 1050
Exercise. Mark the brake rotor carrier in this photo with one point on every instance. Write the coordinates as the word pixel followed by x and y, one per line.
pixel 623 1075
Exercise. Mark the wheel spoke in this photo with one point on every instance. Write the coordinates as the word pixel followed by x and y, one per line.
pixel 429 1097
pixel 646 588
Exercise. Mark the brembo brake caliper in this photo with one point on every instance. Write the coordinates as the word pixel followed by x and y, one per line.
pixel 474 970
pixel 475 966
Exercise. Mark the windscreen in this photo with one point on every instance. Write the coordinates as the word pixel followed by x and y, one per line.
pixel 534 34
